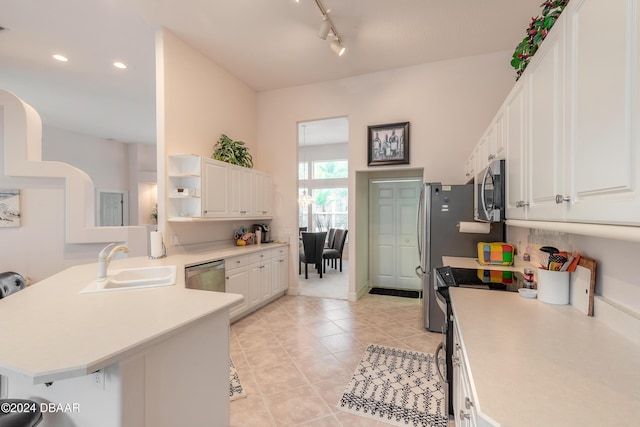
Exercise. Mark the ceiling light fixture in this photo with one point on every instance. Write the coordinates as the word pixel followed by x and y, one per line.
pixel 337 47
pixel 327 27
pixel 119 65
pixel 60 58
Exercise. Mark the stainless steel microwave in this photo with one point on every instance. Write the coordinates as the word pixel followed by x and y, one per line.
pixel 490 193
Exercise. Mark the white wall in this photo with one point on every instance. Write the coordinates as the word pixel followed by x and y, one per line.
pixel 197 101
pixel 37 248
pixel 448 103
pixel 616 269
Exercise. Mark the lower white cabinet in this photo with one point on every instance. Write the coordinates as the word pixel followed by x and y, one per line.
pixel 259 277
pixel 280 269
pixel 464 408
pixel 237 282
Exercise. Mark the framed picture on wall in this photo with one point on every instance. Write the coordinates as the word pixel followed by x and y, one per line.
pixel 388 144
pixel 9 208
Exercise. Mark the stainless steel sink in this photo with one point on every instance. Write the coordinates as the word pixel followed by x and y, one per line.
pixel 134 278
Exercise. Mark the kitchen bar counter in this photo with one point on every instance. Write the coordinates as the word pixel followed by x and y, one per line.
pixel 536 364
pixel 52 332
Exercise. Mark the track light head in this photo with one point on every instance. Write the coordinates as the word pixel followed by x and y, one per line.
pixel 337 47
pixel 325 27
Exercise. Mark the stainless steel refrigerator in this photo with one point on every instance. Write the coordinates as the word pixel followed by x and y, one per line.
pixel 440 211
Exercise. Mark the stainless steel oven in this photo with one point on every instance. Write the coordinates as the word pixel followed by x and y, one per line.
pixel 490 193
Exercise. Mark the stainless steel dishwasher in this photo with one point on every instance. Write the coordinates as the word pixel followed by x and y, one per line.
pixel 206 276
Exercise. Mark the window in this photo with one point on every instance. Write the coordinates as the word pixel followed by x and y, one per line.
pixel 330 169
pixel 328 190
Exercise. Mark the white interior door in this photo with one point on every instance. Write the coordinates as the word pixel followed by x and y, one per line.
pixel 394 249
pixel 111 209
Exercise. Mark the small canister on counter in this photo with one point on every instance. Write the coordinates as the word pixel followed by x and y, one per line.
pixel 528 278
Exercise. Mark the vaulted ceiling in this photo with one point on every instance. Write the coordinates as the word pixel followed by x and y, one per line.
pixel 268 44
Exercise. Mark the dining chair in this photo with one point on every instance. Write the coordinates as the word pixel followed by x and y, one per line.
pixel 335 253
pixel 331 235
pixel 312 251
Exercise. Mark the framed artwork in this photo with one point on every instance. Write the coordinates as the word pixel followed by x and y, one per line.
pixel 388 144
pixel 9 208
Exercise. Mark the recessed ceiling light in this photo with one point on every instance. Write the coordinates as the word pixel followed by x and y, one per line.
pixel 60 58
pixel 120 65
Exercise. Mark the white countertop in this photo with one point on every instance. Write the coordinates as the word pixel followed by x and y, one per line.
pixel 536 364
pixel 51 332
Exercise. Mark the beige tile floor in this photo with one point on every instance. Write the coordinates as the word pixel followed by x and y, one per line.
pixel 296 355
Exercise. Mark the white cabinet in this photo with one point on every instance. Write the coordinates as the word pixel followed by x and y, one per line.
pixel 262 194
pixel 237 282
pixel 280 269
pixel 470 167
pixel 464 407
pixel 215 188
pixel 579 158
pixel 517 161
pixel 534 116
pixel 242 192
pixel 201 188
pixel 260 277
pixel 603 102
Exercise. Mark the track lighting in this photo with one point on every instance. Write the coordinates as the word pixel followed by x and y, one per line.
pixel 325 27
pixel 337 47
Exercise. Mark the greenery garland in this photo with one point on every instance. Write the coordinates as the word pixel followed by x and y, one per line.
pixel 537 31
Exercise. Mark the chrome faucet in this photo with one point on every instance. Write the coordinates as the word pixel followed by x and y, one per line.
pixel 104 258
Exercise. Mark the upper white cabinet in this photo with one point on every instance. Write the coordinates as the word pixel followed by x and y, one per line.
pixel 603 100
pixel 517 167
pixel 262 188
pixel 572 121
pixel 545 143
pixel 215 186
pixel 201 188
pixel 242 191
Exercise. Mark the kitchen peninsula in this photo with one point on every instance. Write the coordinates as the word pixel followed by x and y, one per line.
pixel 161 354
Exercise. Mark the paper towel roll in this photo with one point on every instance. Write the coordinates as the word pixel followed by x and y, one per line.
pixel 157 247
pixel 475 227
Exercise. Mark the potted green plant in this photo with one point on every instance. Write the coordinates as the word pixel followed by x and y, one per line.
pixel 536 32
pixel 234 152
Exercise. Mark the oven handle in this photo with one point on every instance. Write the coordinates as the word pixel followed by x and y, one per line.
pixel 440 347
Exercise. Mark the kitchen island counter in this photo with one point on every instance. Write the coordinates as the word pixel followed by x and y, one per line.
pixel 534 364
pixel 161 353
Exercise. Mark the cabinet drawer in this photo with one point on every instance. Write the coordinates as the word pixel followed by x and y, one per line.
pixel 235 262
pixel 277 252
pixel 259 256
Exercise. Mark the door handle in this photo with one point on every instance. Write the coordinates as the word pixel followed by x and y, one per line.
pixel 560 198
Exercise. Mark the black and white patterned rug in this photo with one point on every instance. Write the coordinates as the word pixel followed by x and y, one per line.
pixel 396 386
pixel 236 391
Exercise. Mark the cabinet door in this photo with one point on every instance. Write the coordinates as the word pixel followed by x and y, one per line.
pixel 547 166
pixel 280 267
pixel 237 282
pixel 215 189
pixel 515 135
pixel 498 146
pixel 266 280
pixel 241 192
pixel 470 168
pixel 255 284
pixel 603 104
pixel 262 191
